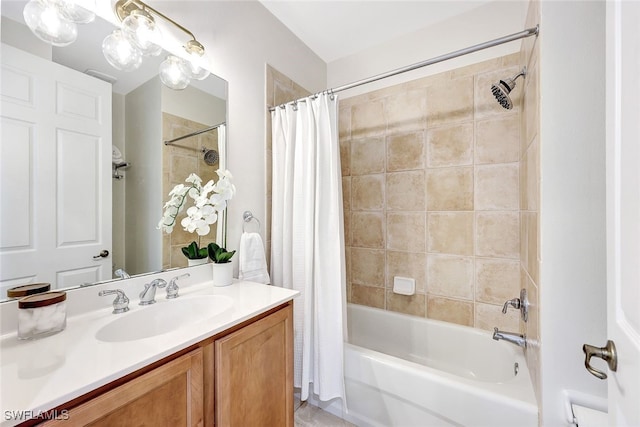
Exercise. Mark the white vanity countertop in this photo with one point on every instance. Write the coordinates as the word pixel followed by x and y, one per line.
pixel 42 374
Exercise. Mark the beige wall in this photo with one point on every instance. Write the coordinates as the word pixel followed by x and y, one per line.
pixel 431 191
pixel 530 194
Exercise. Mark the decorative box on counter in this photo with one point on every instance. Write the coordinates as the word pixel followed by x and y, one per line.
pixel 26 290
pixel 41 315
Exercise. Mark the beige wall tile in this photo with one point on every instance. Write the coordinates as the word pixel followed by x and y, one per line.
pixel 368 119
pixel 451 102
pixel 450 310
pixel 450 233
pixel 532 184
pixel 368 230
pixel 367 267
pixel 283 92
pixel 498 140
pixel 450 276
pixel 406 111
pixel 367 295
pixel 346 193
pixel 407 304
pixel 450 189
pixel 531 104
pixel 405 152
pixel 182 167
pixel 346 205
pixel 344 123
pixel 367 192
pixel 497 280
pixel 450 145
pixel 485 103
pixel 498 234
pixel 406 231
pixel 497 187
pixel 405 191
pixel 367 156
pixel 407 264
pixel 532 248
pixel 345 156
pixel 490 316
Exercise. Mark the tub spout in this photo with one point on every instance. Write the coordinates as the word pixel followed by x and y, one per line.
pixel 517 339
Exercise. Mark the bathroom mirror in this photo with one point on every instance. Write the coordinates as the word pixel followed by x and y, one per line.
pixel 146 168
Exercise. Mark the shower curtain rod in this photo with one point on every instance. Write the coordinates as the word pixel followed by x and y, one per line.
pixel 198 132
pixel 512 37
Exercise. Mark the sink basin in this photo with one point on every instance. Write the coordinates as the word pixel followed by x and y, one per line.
pixel 162 317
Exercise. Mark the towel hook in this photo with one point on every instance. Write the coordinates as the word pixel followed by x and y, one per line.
pixel 247 216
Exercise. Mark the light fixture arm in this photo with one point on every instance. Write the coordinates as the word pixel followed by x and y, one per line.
pixel 123 8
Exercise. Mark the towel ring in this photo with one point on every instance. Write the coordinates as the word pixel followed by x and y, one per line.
pixel 248 217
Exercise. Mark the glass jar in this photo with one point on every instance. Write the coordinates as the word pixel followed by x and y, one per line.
pixel 42 315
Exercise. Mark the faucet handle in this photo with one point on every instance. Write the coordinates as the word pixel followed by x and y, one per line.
pixel 158 283
pixel 521 304
pixel 121 303
pixel 172 289
pixel 515 303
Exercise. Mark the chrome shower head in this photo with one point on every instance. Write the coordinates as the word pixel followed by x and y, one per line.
pixel 503 88
pixel 210 156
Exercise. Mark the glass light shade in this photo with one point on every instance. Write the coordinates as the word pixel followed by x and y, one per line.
pixel 142 31
pixel 45 21
pixel 78 11
pixel 196 70
pixel 120 53
pixel 195 62
pixel 174 74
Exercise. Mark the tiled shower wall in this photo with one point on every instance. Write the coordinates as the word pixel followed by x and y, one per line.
pixel 530 195
pixel 431 177
pixel 177 164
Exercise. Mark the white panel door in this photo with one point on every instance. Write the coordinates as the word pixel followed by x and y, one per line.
pixel 55 173
pixel 623 209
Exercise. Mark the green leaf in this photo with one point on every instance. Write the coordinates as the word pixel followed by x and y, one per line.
pixel 193 252
pixel 219 255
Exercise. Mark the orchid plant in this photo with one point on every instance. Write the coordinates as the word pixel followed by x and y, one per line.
pixel 208 202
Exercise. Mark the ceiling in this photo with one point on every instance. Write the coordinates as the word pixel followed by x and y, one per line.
pixel 334 29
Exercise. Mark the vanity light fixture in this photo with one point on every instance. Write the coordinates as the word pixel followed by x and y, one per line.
pixel 120 52
pixel 54 21
pixel 140 27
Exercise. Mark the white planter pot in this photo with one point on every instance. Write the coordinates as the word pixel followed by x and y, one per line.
pixel 200 261
pixel 222 274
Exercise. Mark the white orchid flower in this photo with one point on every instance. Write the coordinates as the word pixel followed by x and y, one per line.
pixel 204 211
pixel 194 179
pixel 177 190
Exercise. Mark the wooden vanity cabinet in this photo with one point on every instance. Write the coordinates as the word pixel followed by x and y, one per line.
pixel 254 374
pixel 170 395
pixel 242 377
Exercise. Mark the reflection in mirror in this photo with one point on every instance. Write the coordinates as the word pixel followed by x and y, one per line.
pixel 94 181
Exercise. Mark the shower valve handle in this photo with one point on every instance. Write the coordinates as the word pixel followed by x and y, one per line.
pixel 521 304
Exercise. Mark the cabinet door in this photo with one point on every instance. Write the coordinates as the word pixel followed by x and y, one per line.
pixel 254 374
pixel 169 396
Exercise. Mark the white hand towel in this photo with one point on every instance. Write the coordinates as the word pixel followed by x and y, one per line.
pixel 252 261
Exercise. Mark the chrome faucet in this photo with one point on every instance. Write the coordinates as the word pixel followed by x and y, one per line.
pixel 172 288
pixel 517 339
pixel 121 274
pixel 148 294
pixel 121 303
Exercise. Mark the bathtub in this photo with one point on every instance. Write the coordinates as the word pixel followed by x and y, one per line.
pixel 406 371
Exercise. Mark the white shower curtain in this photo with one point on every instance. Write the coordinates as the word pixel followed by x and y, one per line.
pixel 307 244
